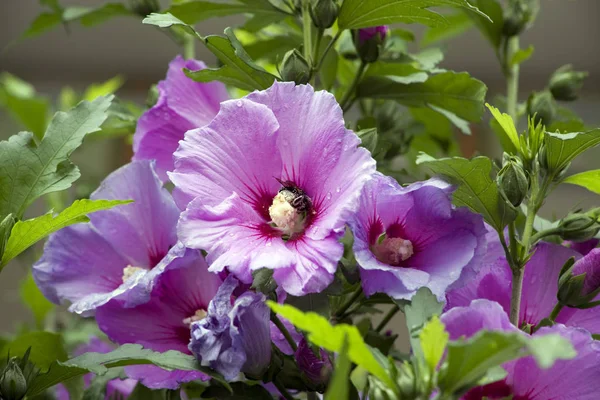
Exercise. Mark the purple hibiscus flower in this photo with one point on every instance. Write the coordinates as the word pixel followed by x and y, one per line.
pixel 583 247
pixel 540 285
pixel 119 254
pixel 182 105
pixel 577 378
pixel 590 266
pixel 114 389
pixel 369 33
pixel 408 238
pixel 235 335
pixel 180 297
pixel 273 177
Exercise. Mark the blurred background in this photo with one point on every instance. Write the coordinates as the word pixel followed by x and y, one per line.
pixel 566 31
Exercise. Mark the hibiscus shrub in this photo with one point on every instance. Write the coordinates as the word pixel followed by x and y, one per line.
pixel 275 205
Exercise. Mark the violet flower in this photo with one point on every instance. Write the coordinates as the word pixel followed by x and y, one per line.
pixel 540 286
pixel 316 368
pixel 235 335
pixel 115 388
pixel 273 177
pixel 365 34
pixel 182 105
pixel 577 378
pixel 583 247
pixel 180 297
pixel 590 266
pixel 408 238
pixel 119 254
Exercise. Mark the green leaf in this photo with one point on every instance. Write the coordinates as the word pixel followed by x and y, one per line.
pixel 167 20
pixel 33 298
pixel 128 354
pixel 26 233
pixel 460 123
pixel 522 55
pixel 20 99
pixel 238 70
pixel 356 14
pixel 6 226
pixel 433 339
pixel 508 135
pixel 562 148
pixel 323 334
pixel 476 189
pixel 192 12
pixel 97 387
pixel 458 24
pixel 469 361
pixel 28 171
pixel 94 16
pixel 398 72
pixel 46 348
pixel 368 138
pixel 41 24
pixel 588 179
pixel 423 306
pixel 546 349
pixel 141 392
pixel 490 26
pixel 338 388
pixel 329 68
pixel 457 93
pixel 103 89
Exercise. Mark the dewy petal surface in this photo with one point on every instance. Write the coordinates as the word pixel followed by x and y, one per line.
pixel 446 244
pixel 182 105
pixel 228 171
pixel 85 264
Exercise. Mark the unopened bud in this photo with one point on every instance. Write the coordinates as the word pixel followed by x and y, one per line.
pixel 519 16
pixel 542 107
pixel 580 284
pixel 316 368
pixel 13 384
pixel 324 13
pixel 295 68
pixel 369 41
pixel 578 227
pixel 513 182
pixel 566 83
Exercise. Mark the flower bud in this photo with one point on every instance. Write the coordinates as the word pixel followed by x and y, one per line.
pixel 578 227
pixel 295 68
pixel 581 283
pixel 513 182
pixel 368 42
pixel 316 368
pixel 566 83
pixel 519 16
pixel 13 384
pixel 542 107
pixel 324 13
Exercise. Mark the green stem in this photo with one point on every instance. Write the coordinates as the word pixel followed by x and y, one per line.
pixel 342 310
pixel 329 46
pixel 555 312
pixel 284 330
pixel 307 28
pixel 512 237
pixel 388 317
pixel 348 98
pixel 189 48
pixel 540 235
pixel 282 390
pixel 512 78
pixel 515 298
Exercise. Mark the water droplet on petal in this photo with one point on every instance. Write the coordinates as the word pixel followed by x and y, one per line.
pixel 338 190
pixel 239 103
pixel 328 197
pixel 268 244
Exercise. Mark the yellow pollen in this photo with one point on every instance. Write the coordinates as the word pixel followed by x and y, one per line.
pixel 284 215
pixel 198 316
pixel 129 271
